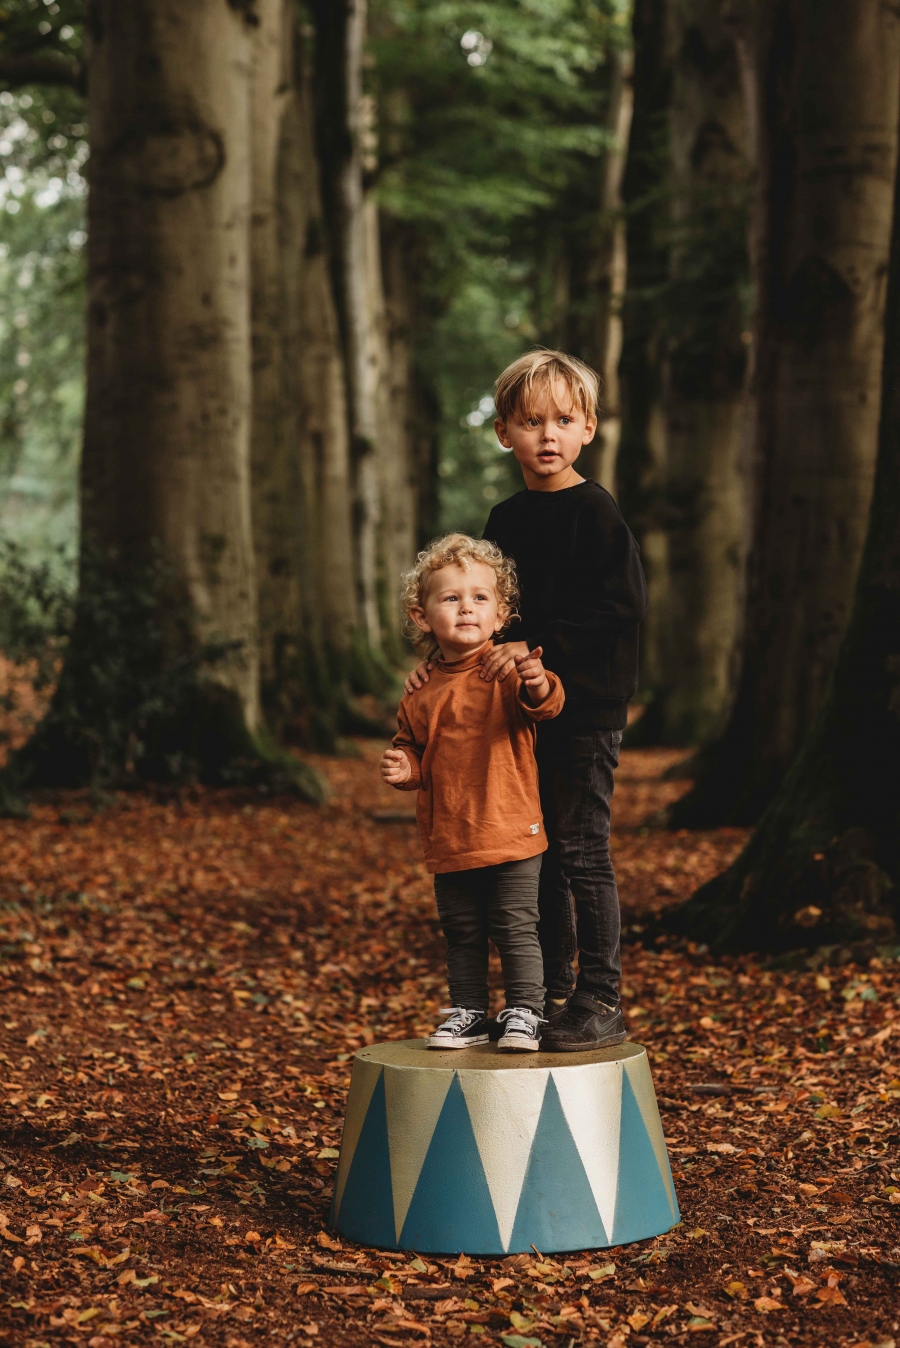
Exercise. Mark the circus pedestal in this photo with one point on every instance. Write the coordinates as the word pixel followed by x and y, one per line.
pixel 492 1153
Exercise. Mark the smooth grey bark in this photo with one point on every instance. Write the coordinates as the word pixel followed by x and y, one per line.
pixel 278 523
pixel 823 867
pixel 344 125
pixel 166 461
pixel 641 450
pixel 704 451
pixel 608 275
pixel 825 92
pixel 162 671
pixel 316 470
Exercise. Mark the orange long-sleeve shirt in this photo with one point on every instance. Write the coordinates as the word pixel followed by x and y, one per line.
pixel 470 744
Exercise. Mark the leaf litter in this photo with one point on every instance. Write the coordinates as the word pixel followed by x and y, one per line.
pixel 184 979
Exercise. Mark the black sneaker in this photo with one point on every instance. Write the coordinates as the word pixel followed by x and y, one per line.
pixel 584 1025
pixel 461 1029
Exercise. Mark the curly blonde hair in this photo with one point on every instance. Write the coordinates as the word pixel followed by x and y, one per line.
pixel 454 550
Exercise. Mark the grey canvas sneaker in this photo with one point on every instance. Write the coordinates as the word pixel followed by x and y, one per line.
pixel 521 1030
pixel 462 1028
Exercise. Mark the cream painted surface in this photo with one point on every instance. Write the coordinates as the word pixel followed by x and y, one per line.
pixel 591 1099
pixel 485 1058
pixel 362 1086
pixel 504 1108
pixel 414 1101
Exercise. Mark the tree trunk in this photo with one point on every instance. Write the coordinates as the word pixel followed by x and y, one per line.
pixel 824 864
pixel 344 126
pixel 162 672
pixel 317 492
pixel 827 98
pixel 302 493
pixel 408 448
pixel 641 450
pixel 278 508
pixel 608 276
pixel 704 450
pixel 167 426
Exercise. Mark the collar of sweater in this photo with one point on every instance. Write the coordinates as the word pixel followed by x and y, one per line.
pixel 466 663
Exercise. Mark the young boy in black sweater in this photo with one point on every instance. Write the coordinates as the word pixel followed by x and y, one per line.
pixel 583 596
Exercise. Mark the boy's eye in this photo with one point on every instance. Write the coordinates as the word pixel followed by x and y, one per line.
pixel 565 421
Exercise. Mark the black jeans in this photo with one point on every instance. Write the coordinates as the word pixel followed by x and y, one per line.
pixel 579 902
pixel 500 902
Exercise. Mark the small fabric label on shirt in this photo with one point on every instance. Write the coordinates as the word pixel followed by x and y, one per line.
pixel 535 828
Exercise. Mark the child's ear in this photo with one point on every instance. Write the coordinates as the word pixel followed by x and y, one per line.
pixel 418 617
pixel 590 430
pixel 502 434
pixel 502 618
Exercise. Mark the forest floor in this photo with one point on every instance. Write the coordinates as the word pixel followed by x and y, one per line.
pixel 183 981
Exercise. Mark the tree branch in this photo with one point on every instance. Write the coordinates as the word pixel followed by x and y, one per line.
pixel 17 71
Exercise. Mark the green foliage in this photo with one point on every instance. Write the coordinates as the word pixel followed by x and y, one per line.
pixel 45 29
pixel 491 125
pixel 42 281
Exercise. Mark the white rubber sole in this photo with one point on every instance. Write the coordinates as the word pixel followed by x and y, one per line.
pixel 518 1044
pixel 435 1042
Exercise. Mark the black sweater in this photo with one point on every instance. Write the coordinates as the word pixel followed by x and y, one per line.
pixel 583 595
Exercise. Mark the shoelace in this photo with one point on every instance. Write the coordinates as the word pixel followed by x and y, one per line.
pixel 458 1018
pixel 516 1021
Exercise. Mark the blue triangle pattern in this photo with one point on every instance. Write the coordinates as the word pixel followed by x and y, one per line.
pixel 451 1208
pixel 556 1208
pixel 367 1206
pixel 642 1205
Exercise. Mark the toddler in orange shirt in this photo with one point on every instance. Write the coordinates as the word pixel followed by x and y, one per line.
pixel 466 745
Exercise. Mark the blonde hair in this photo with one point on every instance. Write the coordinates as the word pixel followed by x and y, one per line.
pixel 454 550
pixel 523 383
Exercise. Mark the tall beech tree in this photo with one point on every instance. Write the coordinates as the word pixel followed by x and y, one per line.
pixel 307 579
pixel 642 444
pixel 702 461
pixel 824 89
pixel 824 864
pixel 683 463
pixel 302 494
pixel 163 667
pixel 384 525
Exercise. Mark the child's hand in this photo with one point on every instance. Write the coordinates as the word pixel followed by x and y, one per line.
pixel 533 675
pixel 395 767
pixel 498 661
pixel 418 677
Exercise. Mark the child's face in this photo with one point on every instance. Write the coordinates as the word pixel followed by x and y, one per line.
pixel 550 440
pixel 461 609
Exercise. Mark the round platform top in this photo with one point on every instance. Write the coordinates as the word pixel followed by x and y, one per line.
pixel 486 1058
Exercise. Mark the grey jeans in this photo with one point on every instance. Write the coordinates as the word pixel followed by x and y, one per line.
pixel 579 901
pixel 500 902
